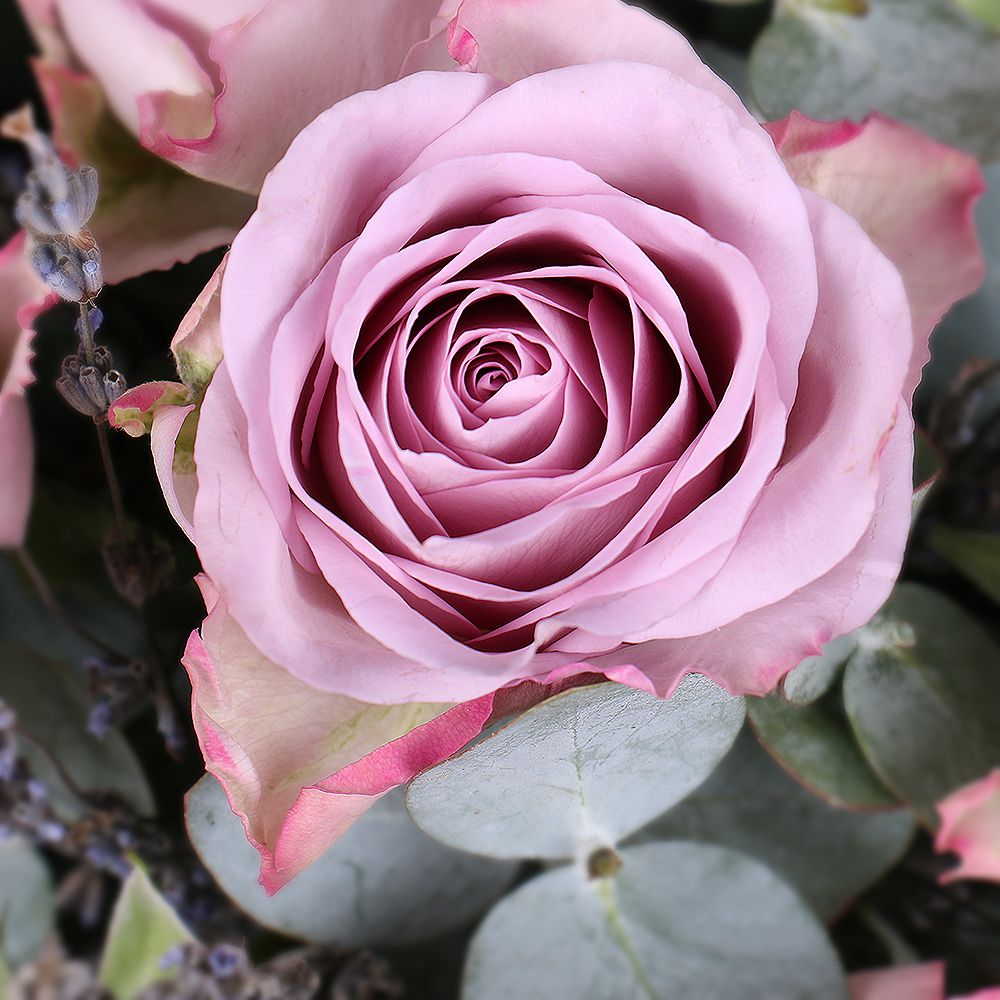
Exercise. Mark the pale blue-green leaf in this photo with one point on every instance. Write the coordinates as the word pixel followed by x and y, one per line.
pixel 52 706
pixel 974 553
pixel 925 62
pixel 385 882
pixel 589 766
pixel 923 696
pixel 972 328
pixel 814 743
pixel 815 675
pixel 27 906
pixel 749 804
pixel 679 920
pixel 988 11
pixel 143 929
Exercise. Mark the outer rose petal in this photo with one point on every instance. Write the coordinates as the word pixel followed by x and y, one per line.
pixel 197 345
pixel 301 765
pixel 913 196
pixel 150 216
pixel 970 828
pixel 513 40
pixel 20 291
pixel 914 982
pixel 279 69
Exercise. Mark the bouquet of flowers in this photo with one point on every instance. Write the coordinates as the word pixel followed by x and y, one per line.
pixel 500 498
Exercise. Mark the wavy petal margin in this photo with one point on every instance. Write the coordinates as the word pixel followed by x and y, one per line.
pixel 913 196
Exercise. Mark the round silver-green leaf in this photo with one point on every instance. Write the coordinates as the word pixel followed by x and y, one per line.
pixel 385 882
pixel 27 904
pixel 589 766
pixel 677 920
pixel 751 805
pixel 923 697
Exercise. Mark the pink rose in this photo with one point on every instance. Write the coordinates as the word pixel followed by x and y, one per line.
pixel 19 289
pixel 970 828
pixel 221 87
pixel 524 384
pixel 908 982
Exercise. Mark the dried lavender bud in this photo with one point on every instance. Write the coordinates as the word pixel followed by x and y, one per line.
pixel 59 267
pixel 71 390
pixel 103 361
pixel 114 385
pixel 52 976
pixel 225 961
pixel 92 383
pixel 366 977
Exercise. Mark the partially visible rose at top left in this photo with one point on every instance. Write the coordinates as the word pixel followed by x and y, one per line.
pixel 183 106
pixel 18 285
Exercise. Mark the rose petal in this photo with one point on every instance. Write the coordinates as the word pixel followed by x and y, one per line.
pixel 340 48
pixel 21 295
pixel 913 982
pixel 197 344
pixel 913 196
pixel 514 40
pixel 300 765
pixel 970 828
pixel 150 215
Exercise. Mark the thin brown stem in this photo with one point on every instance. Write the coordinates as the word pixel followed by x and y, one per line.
pixel 113 486
pixel 52 605
pixel 87 334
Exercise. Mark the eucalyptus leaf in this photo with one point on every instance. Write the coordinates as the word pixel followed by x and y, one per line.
pixel 52 708
pixel 27 905
pixel 589 766
pixel 988 11
pixel 925 62
pixel 815 675
pixel 751 805
pixel 143 930
pixel 814 743
pixel 974 553
pixel 677 920
pixel 385 882
pixel 923 697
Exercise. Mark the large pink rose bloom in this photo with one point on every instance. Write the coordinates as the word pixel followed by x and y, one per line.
pixel 498 397
pixel 517 384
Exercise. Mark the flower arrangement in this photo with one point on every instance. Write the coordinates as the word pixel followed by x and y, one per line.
pixel 500 499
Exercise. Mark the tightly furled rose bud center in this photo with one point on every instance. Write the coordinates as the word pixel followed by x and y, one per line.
pixel 578 378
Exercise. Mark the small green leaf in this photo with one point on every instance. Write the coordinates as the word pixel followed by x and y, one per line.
pixel 924 62
pixel 143 929
pixel 988 11
pixel 385 882
pixel 923 697
pixel 974 553
pixel 815 675
pixel 814 743
pixel 678 920
pixel 750 805
pixel 590 765
pixel 27 905
pixel 52 708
